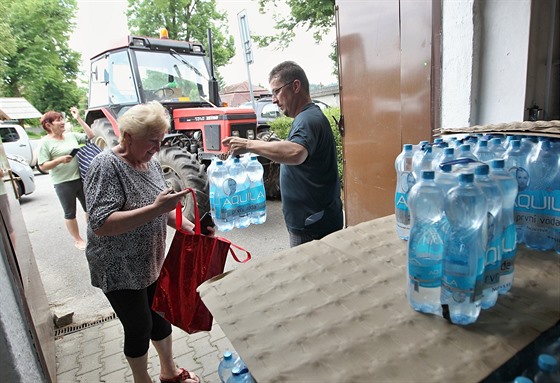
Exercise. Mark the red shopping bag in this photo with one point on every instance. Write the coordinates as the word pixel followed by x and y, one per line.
pixel 192 259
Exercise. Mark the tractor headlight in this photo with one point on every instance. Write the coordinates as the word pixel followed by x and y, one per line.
pixel 235 133
pixel 250 135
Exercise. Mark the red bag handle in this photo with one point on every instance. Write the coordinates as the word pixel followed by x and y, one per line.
pixel 197 228
pixel 179 214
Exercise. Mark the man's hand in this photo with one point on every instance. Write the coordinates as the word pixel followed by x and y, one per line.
pixel 236 145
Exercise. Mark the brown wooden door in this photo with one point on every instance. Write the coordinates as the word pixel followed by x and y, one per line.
pixel 387 99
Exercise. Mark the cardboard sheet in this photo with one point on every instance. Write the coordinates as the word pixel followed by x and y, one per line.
pixel 335 310
pixel 532 128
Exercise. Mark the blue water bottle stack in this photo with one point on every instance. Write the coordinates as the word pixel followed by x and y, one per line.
pixel 405 181
pixel 479 245
pixel 237 194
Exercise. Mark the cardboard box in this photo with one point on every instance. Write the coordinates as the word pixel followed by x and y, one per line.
pixel 335 310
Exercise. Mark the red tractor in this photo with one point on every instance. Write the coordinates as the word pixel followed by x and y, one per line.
pixel 180 76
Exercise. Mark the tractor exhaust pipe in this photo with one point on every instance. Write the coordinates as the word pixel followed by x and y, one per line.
pixel 214 95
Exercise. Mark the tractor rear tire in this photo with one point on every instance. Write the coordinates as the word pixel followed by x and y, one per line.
pixel 182 170
pixel 271 169
pixel 105 137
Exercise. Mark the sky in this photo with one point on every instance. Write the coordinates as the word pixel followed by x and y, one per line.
pixel 101 23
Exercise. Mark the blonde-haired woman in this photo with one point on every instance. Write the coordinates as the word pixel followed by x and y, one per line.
pixel 130 206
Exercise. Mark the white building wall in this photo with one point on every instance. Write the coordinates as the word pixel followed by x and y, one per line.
pixel 484 71
pixel 503 58
pixel 457 62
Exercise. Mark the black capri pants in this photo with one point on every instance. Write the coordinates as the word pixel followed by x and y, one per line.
pixel 140 323
pixel 67 193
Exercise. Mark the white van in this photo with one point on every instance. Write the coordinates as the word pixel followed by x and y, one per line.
pixel 16 141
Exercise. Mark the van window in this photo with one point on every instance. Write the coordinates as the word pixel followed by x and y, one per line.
pixel 270 111
pixel 8 134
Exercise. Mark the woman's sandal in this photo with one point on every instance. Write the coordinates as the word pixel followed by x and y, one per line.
pixel 183 377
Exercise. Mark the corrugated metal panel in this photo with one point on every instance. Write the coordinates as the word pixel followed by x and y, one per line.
pixel 17 108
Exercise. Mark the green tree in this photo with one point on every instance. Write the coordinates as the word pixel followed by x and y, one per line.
pixel 316 16
pixel 37 62
pixel 187 20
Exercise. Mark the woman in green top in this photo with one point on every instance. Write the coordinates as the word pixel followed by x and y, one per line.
pixel 54 156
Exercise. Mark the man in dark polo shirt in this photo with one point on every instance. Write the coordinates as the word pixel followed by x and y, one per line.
pixel 309 181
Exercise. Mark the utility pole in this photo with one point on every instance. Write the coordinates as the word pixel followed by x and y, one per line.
pixel 247 49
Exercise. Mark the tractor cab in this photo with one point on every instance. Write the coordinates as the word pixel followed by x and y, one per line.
pixel 147 69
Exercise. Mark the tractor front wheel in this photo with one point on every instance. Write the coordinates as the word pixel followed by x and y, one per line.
pixel 182 170
pixel 105 137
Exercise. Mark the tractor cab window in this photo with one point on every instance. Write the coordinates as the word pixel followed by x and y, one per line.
pixel 172 77
pixel 121 83
pixel 111 81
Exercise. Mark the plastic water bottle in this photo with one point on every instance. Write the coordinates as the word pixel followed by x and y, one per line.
pixel 556 199
pixel 229 360
pixel 446 155
pixel 515 158
pixel 493 259
pixel 420 146
pixel 463 260
pixel 209 172
pixel 422 161
pixel 425 245
pixel 482 152
pixel 453 142
pixel 465 152
pixel 516 164
pixel 405 181
pixel 240 374
pixel 496 148
pixel 542 166
pixel 438 147
pixel 554 349
pixel 508 187
pixel 238 186
pixel 548 370
pixel 257 194
pixel 221 210
pixel 446 179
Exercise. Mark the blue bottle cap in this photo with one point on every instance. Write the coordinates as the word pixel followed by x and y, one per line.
pixel 466 177
pixel 482 170
pixel 497 164
pixel 548 362
pixel 428 175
